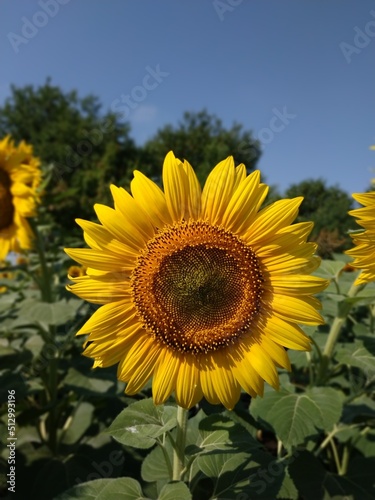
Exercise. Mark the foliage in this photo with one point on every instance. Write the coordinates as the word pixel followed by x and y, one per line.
pixel 79 436
pixel 202 139
pixel 327 207
pixel 85 149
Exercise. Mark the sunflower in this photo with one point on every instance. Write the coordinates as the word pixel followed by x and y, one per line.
pixel 75 271
pixel 200 289
pixel 363 252
pixel 20 177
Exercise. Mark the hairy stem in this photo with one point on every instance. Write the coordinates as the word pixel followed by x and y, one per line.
pixel 179 451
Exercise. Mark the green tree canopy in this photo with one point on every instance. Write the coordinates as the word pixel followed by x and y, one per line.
pixel 88 150
pixel 327 207
pixel 202 139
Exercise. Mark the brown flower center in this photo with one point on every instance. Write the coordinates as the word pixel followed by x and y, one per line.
pixel 197 287
pixel 6 203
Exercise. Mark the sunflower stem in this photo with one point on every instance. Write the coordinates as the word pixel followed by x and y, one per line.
pixel 45 282
pixel 334 334
pixel 179 450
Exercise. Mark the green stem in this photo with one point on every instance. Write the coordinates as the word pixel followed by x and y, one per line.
pixel 334 334
pixel 311 371
pixel 45 281
pixel 179 451
pixel 335 455
pixel 52 384
pixel 166 457
pixel 345 460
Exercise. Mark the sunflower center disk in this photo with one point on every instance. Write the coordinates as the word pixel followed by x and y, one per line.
pixel 6 205
pixel 197 287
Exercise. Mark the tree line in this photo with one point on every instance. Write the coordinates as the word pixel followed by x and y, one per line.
pixel 86 149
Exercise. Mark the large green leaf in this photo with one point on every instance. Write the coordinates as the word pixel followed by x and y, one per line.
pixel 330 269
pixel 288 489
pixel 218 432
pixel 314 482
pixel 243 473
pixel 358 355
pixel 154 466
pixel 142 423
pixel 122 488
pixel 56 313
pixel 88 384
pixel 296 416
pixel 175 491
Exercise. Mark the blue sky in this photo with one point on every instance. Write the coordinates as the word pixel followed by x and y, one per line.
pixel 299 73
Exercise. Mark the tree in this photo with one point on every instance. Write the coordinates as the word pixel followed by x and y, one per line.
pixel 87 150
pixel 328 208
pixel 201 139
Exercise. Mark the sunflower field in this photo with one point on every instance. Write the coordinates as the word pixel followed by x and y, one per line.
pixel 185 343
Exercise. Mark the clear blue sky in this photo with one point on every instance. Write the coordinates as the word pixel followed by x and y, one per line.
pixel 244 61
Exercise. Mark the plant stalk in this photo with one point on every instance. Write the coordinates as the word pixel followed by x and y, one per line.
pixel 334 334
pixel 179 450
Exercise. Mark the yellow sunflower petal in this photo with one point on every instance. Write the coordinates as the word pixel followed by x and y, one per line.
pixel 139 364
pixel 109 317
pixel 165 375
pixel 244 203
pixel 271 219
pixel 132 212
pixel 194 192
pixel 218 190
pixel 295 309
pixel 263 364
pixel 286 334
pixel 175 183
pixel 188 388
pixel 148 194
pixel 119 227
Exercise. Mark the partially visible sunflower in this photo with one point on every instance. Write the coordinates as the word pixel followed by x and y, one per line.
pixel 5 275
pixel 76 271
pixel 20 177
pixel 363 252
pixel 201 290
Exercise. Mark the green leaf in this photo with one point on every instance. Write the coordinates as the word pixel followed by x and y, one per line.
pixel 288 489
pixel 87 384
pixel 361 409
pixel 80 422
pixel 173 491
pixel 56 313
pixel 218 432
pixel 356 355
pixel 296 416
pixel 241 473
pixel 154 466
pixel 141 423
pixel 314 482
pixel 7 302
pixel 366 443
pixel 329 269
pixel 123 488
